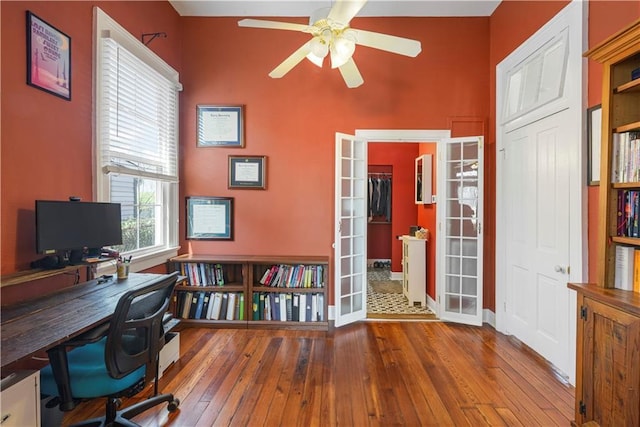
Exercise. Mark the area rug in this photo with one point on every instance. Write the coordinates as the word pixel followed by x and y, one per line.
pixel 386 286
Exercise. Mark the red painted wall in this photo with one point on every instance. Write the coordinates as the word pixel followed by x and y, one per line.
pixel 401 157
pixel 427 218
pixel 46 141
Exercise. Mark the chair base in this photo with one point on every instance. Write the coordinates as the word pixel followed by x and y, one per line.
pixel 113 417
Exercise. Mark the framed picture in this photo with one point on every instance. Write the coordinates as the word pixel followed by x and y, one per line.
pixel 210 218
pixel 48 58
pixel 594 136
pixel 247 172
pixel 220 126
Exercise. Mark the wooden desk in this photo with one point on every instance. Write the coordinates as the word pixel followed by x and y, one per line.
pixel 40 324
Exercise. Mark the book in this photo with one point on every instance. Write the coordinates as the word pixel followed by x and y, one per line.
pixel 636 270
pixel 241 306
pixel 219 275
pixel 288 307
pixel 624 267
pixel 295 308
pixel 283 307
pixel 217 305
pixel 194 305
pixel 231 306
pixel 261 298
pixel 186 306
pixel 223 305
pixel 254 307
pixel 199 305
pixel 205 306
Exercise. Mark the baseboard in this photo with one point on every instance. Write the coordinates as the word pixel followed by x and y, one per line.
pixel 489 317
pixel 396 275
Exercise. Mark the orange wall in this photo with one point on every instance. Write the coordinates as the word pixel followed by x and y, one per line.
pixel 290 120
pixel 47 141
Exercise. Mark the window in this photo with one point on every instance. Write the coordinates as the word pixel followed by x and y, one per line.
pixel 136 107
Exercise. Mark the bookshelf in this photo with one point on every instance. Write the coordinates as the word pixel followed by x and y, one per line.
pixel 269 292
pixel 608 318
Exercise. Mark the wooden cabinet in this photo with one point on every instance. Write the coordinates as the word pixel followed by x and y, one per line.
pixel 608 365
pixel 252 291
pixel 414 271
pixel 608 330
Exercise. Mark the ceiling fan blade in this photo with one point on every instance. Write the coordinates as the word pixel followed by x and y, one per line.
pixel 344 10
pixel 351 74
pixel 293 60
pixel 393 44
pixel 274 25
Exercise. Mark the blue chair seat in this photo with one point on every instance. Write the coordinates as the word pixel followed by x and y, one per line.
pixel 88 374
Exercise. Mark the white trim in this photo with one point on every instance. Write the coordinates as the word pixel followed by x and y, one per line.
pixel 140 263
pixel 403 135
pixel 489 317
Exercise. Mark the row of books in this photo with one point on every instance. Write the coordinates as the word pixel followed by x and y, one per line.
pixel 293 276
pixel 203 274
pixel 288 307
pixel 625 157
pixel 210 305
pixel 628 213
pixel 627 268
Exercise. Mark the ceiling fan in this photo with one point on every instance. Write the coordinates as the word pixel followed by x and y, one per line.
pixel 332 36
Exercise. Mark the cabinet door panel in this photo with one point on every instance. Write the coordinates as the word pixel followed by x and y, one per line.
pixel 611 366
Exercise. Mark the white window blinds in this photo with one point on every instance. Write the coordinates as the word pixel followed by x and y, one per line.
pixel 138 132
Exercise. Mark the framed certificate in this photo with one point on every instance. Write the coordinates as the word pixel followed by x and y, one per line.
pixel 220 126
pixel 210 218
pixel 247 172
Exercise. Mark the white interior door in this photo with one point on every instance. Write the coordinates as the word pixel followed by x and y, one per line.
pixel 350 244
pixel 459 248
pixel 536 161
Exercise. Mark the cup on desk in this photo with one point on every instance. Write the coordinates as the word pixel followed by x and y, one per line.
pixel 122 268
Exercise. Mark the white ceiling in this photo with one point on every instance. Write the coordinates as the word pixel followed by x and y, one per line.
pixel 297 8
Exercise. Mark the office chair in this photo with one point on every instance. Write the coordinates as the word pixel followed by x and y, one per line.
pixel 116 359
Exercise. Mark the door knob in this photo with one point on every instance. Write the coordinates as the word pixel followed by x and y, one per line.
pixel 559 269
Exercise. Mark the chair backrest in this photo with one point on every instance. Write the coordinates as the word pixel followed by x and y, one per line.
pixel 136 334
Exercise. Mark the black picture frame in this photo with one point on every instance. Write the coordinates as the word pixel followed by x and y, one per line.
pixel 594 140
pixel 209 218
pixel 247 172
pixel 48 57
pixel 220 126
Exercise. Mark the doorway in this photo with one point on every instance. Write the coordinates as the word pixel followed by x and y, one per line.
pixel 413 141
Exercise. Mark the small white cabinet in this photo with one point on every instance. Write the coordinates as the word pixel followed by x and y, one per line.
pixel 20 399
pixel 424 188
pixel 414 270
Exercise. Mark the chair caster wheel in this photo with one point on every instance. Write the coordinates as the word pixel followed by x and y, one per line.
pixel 173 405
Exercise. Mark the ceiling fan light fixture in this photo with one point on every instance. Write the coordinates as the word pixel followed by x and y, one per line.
pixel 316 60
pixel 342 48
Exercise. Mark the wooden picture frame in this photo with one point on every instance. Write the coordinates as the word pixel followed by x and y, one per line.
pixel 48 57
pixel 209 218
pixel 247 172
pixel 220 126
pixel 594 139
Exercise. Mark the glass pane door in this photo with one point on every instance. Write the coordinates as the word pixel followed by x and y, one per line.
pixel 350 233
pixel 460 190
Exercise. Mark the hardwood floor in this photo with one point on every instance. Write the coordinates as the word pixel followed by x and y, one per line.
pixel 370 373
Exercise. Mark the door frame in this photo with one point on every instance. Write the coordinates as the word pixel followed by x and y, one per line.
pixel 575 17
pixel 390 136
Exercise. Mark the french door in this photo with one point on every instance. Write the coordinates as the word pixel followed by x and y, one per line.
pixel 459 242
pixel 350 244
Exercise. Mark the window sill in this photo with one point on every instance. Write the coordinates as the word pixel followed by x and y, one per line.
pixel 142 262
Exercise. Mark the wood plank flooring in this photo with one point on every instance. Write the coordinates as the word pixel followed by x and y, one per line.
pixel 366 374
